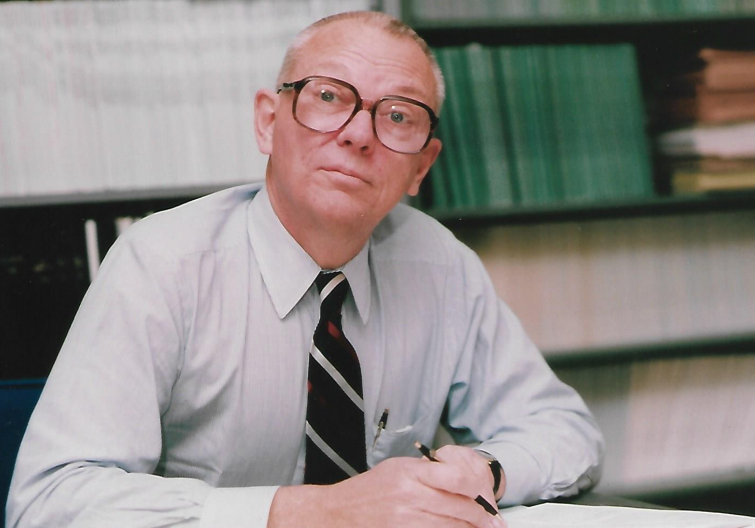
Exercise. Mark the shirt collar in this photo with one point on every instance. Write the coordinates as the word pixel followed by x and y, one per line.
pixel 288 271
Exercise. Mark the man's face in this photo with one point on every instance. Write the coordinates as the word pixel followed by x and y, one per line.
pixel 348 176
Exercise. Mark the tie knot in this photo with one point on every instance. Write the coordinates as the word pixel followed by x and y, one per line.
pixel 333 287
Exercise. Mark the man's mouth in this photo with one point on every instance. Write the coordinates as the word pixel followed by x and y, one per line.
pixel 344 171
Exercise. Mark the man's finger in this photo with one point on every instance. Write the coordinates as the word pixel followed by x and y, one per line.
pixel 455 480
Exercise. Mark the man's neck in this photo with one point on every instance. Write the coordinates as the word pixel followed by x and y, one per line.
pixel 329 253
pixel 330 244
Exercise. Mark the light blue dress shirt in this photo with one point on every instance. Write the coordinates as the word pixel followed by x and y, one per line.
pixel 179 396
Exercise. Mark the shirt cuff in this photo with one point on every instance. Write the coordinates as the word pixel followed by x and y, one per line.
pixel 521 472
pixel 232 507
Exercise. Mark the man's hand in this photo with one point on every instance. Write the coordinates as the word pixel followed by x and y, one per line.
pixel 475 464
pixel 397 492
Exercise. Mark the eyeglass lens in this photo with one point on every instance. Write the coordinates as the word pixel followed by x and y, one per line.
pixel 325 106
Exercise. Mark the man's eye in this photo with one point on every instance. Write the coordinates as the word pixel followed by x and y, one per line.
pixel 397 117
pixel 327 96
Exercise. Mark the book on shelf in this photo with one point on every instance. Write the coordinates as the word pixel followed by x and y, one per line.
pixel 721 71
pixel 717 86
pixel 729 140
pixel 710 165
pixel 492 142
pixel 466 130
pixel 451 135
pixel 711 107
pixel 705 182
pixel 124 222
pixel 532 151
pixel 535 125
pixel 91 239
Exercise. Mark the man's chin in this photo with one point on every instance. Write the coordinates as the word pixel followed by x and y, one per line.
pixel 346 210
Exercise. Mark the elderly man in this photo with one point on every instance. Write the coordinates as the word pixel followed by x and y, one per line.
pixel 271 358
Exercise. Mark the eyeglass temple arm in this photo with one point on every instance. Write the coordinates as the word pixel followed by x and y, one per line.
pixel 286 86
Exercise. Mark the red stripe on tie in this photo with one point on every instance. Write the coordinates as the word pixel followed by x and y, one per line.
pixel 334 331
pixel 345 345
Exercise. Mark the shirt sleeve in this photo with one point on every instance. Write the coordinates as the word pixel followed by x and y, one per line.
pixel 505 397
pixel 92 451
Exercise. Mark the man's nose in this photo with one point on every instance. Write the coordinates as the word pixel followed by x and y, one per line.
pixel 359 132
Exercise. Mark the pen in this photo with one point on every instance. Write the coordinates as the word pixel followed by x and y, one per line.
pixel 430 455
pixel 381 425
pixel 426 452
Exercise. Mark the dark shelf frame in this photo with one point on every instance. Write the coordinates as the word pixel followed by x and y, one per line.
pixel 426 24
pixel 590 211
pixel 718 29
pixel 161 194
pixel 686 348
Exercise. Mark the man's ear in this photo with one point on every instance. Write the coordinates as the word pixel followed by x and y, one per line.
pixel 427 158
pixel 264 119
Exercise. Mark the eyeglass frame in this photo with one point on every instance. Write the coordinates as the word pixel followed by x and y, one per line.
pixel 359 105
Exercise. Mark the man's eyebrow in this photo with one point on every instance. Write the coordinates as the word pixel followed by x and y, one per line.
pixel 412 92
pixel 407 89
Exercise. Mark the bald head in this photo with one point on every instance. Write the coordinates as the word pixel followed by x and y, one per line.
pixel 373 19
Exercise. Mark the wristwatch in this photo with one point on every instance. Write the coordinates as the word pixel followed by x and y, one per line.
pixel 495 468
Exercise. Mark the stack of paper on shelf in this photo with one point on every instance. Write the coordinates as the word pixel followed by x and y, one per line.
pixel 119 95
pixel 538 125
pixel 713 146
pixel 623 282
pixel 671 423
pixel 690 420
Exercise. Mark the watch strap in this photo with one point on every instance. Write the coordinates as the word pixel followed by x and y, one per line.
pixel 495 469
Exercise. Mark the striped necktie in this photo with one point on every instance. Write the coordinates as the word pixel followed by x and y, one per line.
pixel 335 409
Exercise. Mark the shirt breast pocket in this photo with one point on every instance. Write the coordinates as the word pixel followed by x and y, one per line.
pixel 400 442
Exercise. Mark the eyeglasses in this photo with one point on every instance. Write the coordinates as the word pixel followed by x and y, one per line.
pixel 325 104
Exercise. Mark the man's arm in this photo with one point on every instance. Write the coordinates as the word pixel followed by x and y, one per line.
pixel 95 437
pixel 506 397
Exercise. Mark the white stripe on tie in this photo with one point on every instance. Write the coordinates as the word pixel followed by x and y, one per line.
pixel 337 377
pixel 328 451
pixel 335 281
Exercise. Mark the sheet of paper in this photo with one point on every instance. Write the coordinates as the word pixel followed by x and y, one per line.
pixel 573 516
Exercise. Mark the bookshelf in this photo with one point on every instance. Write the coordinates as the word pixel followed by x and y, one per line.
pixel 115 110
pixel 635 298
pixel 659 42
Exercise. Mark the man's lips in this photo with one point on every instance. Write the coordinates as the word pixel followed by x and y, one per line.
pixel 346 172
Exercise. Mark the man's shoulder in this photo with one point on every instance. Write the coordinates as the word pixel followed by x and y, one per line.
pixel 208 223
pixel 409 234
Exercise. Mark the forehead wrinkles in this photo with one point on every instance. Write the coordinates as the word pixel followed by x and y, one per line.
pixel 377 74
pixel 370 59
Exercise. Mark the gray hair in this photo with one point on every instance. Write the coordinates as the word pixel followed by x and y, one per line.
pixel 375 19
